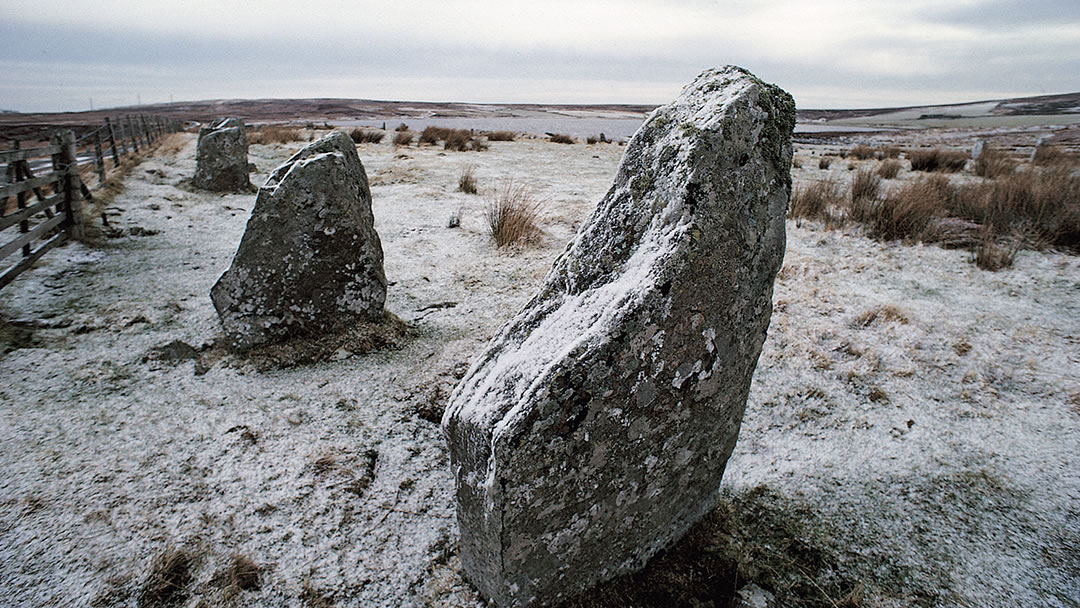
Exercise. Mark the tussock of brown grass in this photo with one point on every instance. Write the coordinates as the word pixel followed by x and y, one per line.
pixel 992 255
pixel 275 134
pixel 513 216
pixel 811 202
pixel 824 162
pixel 865 185
pixel 905 212
pixel 886 313
pixel 937 159
pixel 861 152
pixel 993 163
pixel 403 138
pixel 166 583
pixel 402 127
pixel 244 573
pixel 1053 156
pixel 889 168
pixel 796 162
pixel 501 135
pixel 432 135
pixel 365 136
pixel 559 138
pixel 467 180
pixel 886 152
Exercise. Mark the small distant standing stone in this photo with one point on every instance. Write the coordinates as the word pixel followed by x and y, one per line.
pixel 594 430
pixel 310 260
pixel 977 149
pixel 221 161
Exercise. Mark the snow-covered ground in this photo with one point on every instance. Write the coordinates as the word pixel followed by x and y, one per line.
pixel 928 411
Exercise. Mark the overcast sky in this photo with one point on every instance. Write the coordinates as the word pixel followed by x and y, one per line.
pixel 827 53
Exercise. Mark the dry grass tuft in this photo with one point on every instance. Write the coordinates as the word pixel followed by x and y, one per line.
pixel 861 152
pixel 993 256
pixel 501 135
pixel 813 201
pixel 275 134
pixel 889 168
pixel 559 138
pixel 1053 156
pixel 244 573
pixel 467 180
pixel 402 128
pixel 403 138
pixel 796 162
pixel 364 136
pixel 993 163
pixel 886 313
pixel 170 573
pixel 905 212
pixel 865 186
pixel 432 135
pixel 824 162
pixel 513 216
pixel 937 159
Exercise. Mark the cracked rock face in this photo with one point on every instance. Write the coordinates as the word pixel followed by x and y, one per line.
pixel 310 259
pixel 221 162
pixel 594 430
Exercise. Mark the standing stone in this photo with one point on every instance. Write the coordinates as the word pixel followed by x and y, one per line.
pixel 594 430
pixel 977 149
pixel 310 260
pixel 221 162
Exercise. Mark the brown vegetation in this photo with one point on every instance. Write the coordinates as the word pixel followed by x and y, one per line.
pixel 501 135
pixel 1052 156
pixel 166 583
pixel 937 159
pixel 824 162
pixel 403 138
pixel 364 136
pixel 993 163
pixel 275 134
pixel 811 202
pixel 861 152
pixel 559 138
pixel 513 216
pixel 889 168
pixel 467 181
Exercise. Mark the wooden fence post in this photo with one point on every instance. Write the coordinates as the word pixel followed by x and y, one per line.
pixel 132 134
pixel 72 183
pixel 20 200
pixel 145 130
pixel 112 142
pixel 99 158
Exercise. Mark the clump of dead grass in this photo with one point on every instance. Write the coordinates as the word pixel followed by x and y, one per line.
pixel 513 215
pixel 865 185
pixel 1052 156
pixel 861 152
pixel 889 168
pixel 992 255
pixel 560 138
pixel 275 134
pixel 886 313
pixel 243 573
pixel 467 180
pixel 166 583
pixel 824 162
pixel 501 135
pixel 813 201
pixel 937 159
pixel 365 136
pixel 403 138
pixel 993 163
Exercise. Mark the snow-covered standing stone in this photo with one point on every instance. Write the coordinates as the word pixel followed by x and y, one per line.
pixel 594 430
pixel 310 259
pixel 221 162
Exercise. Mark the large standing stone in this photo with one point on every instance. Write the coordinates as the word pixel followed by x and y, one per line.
pixel 594 430
pixel 221 162
pixel 310 259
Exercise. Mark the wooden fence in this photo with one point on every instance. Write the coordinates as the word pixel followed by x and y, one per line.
pixel 49 190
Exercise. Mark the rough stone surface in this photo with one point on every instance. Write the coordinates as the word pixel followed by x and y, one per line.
pixel 594 430
pixel 221 162
pixel 310 259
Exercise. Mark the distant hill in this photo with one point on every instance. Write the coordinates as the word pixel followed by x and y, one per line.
pixel 1043 105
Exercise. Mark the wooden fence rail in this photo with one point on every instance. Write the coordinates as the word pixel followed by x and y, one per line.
pixel 54 213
